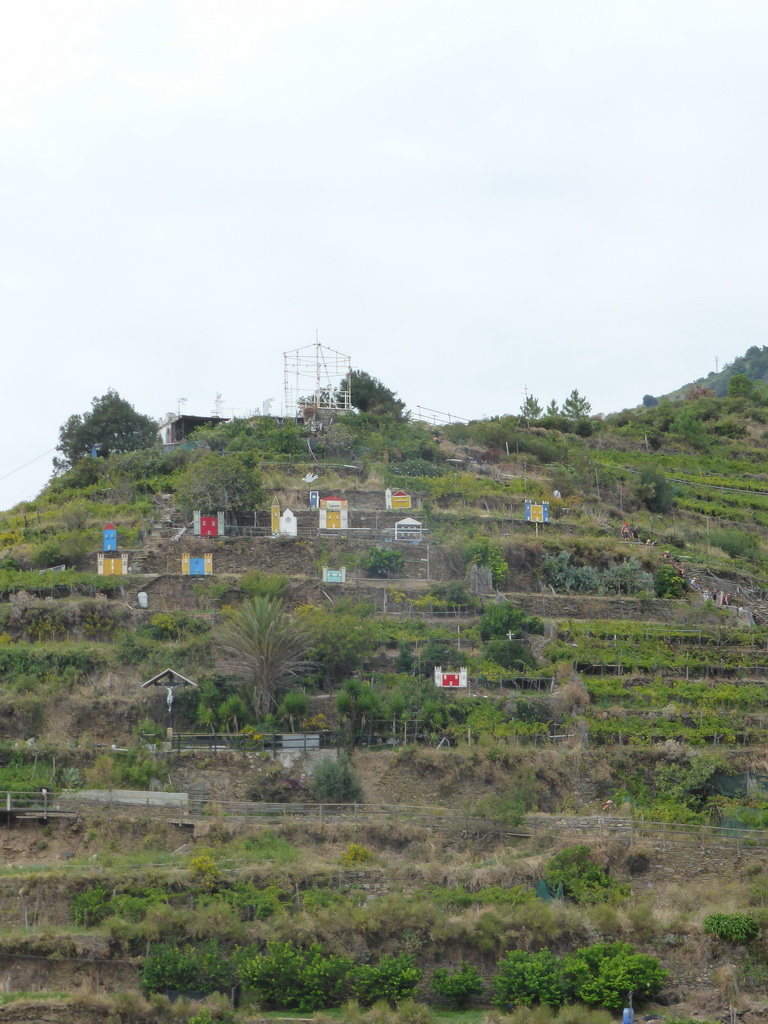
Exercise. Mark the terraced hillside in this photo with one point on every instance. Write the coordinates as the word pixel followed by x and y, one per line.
pixel 613 684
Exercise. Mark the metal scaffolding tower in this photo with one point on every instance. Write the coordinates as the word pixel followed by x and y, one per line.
pixel 317 379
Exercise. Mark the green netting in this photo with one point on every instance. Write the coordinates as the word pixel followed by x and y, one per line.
pixel 544 892
pixel 731 785
pixel 740 785
pixel 734 825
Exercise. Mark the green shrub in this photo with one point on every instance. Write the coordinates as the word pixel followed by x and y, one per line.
pixel 654 490
pixel 290 978
pixel 500 619
pixel 524 979
pixel 459 987
pixel 355 855
pixel 668 582
pixel 383 563
pixel 560 574
pixel 735 543
pixel 186 969
pixel 393 978
pixel 263 584
pixel 334 781
pixel 581 877
pixel 738 928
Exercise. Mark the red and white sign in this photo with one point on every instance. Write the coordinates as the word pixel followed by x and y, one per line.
pixel 451 680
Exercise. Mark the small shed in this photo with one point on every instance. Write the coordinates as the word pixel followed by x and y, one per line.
pixel 289 526
pixel 397 499
pixel 114 565
pixel 196 566
pixel 110 537
pixel 334 514
pixel 334 575
pixel 409 530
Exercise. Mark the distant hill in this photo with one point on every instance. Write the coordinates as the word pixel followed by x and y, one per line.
pixel 754 363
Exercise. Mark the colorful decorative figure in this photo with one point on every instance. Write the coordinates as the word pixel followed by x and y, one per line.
pixel 451 680
pixel 196 566
pixel 537 512
pixel 116 565
pixel 334 575
pixel 397 499
pixel 408 530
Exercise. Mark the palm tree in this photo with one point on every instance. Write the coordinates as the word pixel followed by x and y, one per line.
pixel 267 644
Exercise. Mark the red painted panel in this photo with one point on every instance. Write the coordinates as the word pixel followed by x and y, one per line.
pixel 209 526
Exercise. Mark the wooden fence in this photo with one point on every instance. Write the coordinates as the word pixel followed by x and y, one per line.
pixel 664 834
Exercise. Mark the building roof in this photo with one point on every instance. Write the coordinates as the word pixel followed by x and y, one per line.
pixel 168 677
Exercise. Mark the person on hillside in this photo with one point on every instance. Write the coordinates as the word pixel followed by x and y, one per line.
pixel 625 532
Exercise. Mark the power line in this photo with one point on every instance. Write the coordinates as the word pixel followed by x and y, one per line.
pixel 19 468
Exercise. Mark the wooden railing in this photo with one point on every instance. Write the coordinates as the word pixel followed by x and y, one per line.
pixel 72 804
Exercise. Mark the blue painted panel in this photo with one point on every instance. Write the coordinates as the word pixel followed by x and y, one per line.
pixel 197 567
pixel 110 540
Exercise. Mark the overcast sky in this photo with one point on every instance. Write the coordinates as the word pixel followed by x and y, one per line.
pixel 467 197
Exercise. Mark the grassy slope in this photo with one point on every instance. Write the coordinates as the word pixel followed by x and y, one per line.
pixel 689 674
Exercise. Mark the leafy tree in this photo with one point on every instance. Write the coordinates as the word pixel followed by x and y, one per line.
pixel 228 482
pixel 482 552
pixel 510 654
pixel 552 409
pixel 531 408
pixel 383 562
pixel 688 424
pixel 740 386
pixel 368 394
pixel 689 784
pixel 290 978
pixel 604 974
pixel 576 407
pixel 112 425
pixel 654 490
pixel 524 979
pixel 334 781
pixel 668 582
pixel 649 401
pixel 393 978
pixel 268 644
pixel 500 619
pixel 342 641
